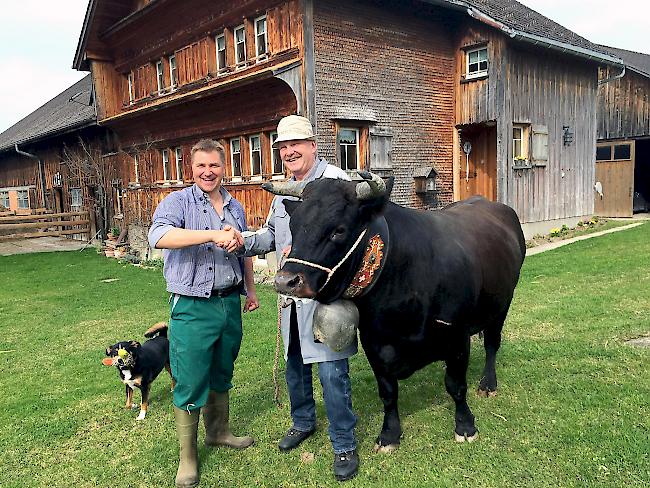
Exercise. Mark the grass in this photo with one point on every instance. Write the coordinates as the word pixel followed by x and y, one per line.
pixel 572 408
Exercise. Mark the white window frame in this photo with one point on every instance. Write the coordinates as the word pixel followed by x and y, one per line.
pixel 23 196
pixel 232 159
pixel 221 37
pixel 240 62
pixel 255 176
pixel 338 143
pixel 272 137
pixel 76 198
pixel 165 164
pixel 178 153
pixel 261 56
pixel 4 198
pixel 479 73
pixel 523 158
pixel 173 72
pixel 129 79
pixel 160 76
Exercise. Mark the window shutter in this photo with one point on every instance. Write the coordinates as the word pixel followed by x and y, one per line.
pixel 539 153
pixel 381 147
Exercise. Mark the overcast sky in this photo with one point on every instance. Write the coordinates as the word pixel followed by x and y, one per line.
pixel 39 37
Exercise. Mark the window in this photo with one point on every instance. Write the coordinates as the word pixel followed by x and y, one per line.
pixel 622 151
pixel 129 79
pixel 240 44
pixel 520 145
pixel 477 62
pixel 136 169
pixel 256 156
pixel 348 142
pixel 179 163
pixel 166 166
pixel 260 36
pixel 23 198
pixel 276 160
pixel 614 152
pixel 235 158
pixel 604 153
pixel 173 73
pixel 160 76
pixel 221 52
pixel 75 195
pixel 4 199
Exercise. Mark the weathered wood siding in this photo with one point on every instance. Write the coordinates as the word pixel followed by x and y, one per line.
pixel 623 106
pixel 545 89
pixel 535 87
pixel 390 68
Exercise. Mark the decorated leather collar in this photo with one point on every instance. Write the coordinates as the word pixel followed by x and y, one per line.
pixel 373 261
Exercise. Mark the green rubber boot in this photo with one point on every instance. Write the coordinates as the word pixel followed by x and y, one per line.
pixel 187 424
pixel 217 429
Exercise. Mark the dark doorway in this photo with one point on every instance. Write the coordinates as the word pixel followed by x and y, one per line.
pixel 642 176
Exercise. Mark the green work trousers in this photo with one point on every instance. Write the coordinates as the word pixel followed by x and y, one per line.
pixel 204 339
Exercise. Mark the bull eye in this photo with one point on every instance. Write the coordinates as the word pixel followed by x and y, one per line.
pixel 338 233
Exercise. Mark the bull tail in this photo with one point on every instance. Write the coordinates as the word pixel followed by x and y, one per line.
pixel 158 329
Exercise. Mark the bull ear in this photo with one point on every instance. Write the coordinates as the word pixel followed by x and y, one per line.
pixel 290 206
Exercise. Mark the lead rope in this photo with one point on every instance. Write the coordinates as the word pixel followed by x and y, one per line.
pixel 276 361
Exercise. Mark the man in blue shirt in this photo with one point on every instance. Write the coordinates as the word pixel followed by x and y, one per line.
pixel 194 225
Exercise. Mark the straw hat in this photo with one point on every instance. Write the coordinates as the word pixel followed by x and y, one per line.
pixel 294 128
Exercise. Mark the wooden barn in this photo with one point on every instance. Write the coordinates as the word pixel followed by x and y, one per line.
pixel 48 166
pixel 623 153
pixel 31 152
pixel 450 97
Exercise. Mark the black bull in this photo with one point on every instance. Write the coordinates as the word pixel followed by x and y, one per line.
pixel 446 275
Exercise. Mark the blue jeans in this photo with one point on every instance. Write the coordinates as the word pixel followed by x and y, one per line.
pixel 337 394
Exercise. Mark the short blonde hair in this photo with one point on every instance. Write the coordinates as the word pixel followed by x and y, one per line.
pixel 209 145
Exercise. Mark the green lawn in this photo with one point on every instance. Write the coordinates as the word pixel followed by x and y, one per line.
pixel 572 408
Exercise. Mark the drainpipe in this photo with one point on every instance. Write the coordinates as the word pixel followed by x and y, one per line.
pixel 40 171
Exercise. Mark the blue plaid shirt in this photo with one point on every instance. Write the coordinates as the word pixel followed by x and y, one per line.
pixel 197 270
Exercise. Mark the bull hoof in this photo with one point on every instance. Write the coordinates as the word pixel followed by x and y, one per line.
pixel 465 437
pixel 486 393
pixel 385 449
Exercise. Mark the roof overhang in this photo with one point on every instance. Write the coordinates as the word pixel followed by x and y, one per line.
pixel 80 62
pixel 519 35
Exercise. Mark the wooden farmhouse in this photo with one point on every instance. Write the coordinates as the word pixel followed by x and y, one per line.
pixel 451 97
pixel 623 153
pixel 42 159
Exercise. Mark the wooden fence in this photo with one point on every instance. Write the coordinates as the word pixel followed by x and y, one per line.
pixel 45 225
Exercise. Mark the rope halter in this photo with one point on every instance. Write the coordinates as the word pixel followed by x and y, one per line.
pixel 330 271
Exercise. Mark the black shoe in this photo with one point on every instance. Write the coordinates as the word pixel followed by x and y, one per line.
pixel 346 465
pixel 293 438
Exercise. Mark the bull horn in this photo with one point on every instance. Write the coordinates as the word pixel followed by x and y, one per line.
pixel 373 186
pixel 285 188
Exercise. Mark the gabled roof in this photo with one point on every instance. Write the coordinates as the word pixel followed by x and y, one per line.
pixel 525 24
pixel 638 62
pixel 72 109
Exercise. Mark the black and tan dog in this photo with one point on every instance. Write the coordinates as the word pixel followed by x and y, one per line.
pixel 139 364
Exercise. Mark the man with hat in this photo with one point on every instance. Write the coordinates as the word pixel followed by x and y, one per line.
pixel 297 145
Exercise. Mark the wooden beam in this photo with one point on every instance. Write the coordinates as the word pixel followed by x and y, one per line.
pixel 38 225
pixel 18 218
pixel 58 233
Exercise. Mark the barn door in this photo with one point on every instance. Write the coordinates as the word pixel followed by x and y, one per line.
pixel 615 173
pixel 478 173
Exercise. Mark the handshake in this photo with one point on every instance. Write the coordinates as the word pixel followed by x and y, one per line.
pixel 229 238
